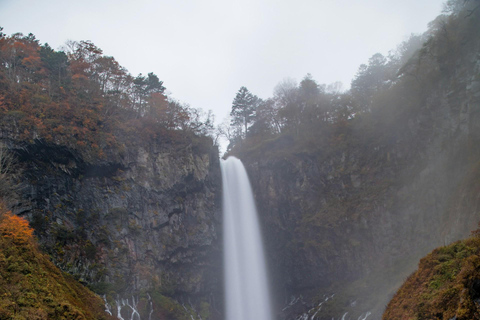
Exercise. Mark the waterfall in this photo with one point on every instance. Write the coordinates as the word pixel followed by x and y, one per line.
pixel 246 287
pixel 131 310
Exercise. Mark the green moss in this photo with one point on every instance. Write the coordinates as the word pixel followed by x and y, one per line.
pixel 31 287
pixel 167 308
pixel 444 286
pixel 205 310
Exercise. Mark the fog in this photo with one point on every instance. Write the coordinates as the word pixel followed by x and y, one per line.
pixel 205 51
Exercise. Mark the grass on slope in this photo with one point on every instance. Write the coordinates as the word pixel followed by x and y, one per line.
pixel 445 286
pixel 31 287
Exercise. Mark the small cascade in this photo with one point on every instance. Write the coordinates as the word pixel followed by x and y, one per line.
pixel 293 302
pixel 131 311
pixel 319 307
pixel 108 307
pixel 247 295
pixel 366 316
pixel 135 313
pixel 150 304
pixel 119 310
pixel 312 313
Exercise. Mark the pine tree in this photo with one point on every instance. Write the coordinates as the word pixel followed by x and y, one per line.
pixel 243 109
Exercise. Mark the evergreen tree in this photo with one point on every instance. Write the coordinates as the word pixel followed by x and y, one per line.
pixel 243 109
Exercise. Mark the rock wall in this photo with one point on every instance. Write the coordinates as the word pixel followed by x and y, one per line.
pixel 353 213
pixel 145 218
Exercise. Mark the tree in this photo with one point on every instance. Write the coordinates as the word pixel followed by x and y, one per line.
pixel 55 63
pixel 369 79
pixel 153 84
pixel 243 109
pixel 301 106
pixel 313 102
pixel 201 123
pixel 20 59
pixel 266 122
pixel 309 90
pixel 14 227
pixel 170 114
pixel 456 6
pixel 285 93
pixel 225 131
pixel 143 87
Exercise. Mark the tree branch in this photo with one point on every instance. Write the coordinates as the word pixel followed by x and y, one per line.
pixel 470 12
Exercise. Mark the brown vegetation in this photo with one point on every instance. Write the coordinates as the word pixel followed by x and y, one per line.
pixel 31 287
pixel 83 99
pixel 445 286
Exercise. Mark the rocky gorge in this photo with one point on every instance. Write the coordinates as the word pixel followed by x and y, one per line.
pixel 125 194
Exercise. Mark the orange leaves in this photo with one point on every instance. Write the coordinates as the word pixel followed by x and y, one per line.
pixel 77 76
pixel 82 99
pixel 2 104
pixel 15 228
pixel 32 62
pixel 20 55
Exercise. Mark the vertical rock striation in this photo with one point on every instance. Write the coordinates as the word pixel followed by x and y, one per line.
pixel 145 219
pixel 352 212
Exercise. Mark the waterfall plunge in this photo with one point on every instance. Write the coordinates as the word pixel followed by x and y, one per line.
pixel 246 288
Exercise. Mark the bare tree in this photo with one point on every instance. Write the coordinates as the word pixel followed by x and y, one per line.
pixel 285 92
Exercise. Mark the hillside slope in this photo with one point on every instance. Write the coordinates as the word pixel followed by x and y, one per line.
pixel 445 286
pixel 32 287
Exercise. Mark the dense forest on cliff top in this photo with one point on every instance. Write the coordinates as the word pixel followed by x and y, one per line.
pixel 85 100
pixel 354 186
pixel 385 94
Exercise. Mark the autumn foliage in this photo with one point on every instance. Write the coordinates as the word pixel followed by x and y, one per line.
pixel 31 287
pixel 445 286
pixel 83 99
pixel 15 228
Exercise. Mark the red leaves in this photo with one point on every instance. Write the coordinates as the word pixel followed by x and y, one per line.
pixel 81 98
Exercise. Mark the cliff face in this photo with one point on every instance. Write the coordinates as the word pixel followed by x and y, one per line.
pixel 358 221
pixel 351 214
pixel 144 219
pixel 119 181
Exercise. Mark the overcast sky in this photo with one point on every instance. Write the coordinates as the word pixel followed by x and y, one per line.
pixel 204 51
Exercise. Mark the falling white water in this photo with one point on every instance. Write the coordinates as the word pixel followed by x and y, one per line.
pixel 133 312
pixel 107 305
pixel 366 316
pixel 246 288
pixel 150 303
